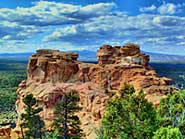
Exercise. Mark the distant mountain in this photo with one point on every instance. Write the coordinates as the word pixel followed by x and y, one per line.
pixel 86 55
pixel 154 57
pixel 166 58
pixel 15 56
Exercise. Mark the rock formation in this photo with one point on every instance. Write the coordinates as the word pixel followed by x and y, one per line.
pixel 50 73
pixel 130 53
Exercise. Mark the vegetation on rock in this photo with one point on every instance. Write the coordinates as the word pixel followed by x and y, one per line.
pixel 66 123
pixel 32 126
pixel 172 111
pixel 129 116
pixel 167 133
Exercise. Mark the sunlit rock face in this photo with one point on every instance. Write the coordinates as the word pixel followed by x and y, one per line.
pixel 128 54
pixel 50 73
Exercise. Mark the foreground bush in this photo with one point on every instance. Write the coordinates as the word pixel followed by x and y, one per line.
pixel 130 116
pixel 172 111
pixel 168 133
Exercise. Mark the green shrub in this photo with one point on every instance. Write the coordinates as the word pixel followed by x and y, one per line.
pixel 130 116
pixel 168 133
pixel 171 111
pixel 66 122
pixel 32 124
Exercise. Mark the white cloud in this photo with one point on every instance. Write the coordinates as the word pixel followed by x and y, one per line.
pixel 68 26
pixel 14 31
pixel 148 9
pixel 98 9
pixel 145 29
pixel 6 37
pixel 67 31
pixel 181 43
pixel 168 8
pixel 164 9
pixel 26 23
pixel 45 13
pixel 173 22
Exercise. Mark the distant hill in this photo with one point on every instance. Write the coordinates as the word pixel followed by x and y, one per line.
pixel 166 58
pixel 154 57
pixel 15 56
pixel 86 55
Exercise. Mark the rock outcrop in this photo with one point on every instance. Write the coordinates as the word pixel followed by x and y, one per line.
pixel 130 53
pixel 50 73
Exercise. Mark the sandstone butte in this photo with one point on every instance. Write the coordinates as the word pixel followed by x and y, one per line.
pixel 50 73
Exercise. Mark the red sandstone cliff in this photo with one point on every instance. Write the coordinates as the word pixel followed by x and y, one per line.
pixel 50 73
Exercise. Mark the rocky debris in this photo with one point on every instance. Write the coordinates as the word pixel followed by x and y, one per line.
pixel 5 132
pixel 51 73
pixel 8 133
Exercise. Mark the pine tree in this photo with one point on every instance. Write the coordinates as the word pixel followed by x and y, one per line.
pixel 32 124
pixel 129 116
pixel 66 122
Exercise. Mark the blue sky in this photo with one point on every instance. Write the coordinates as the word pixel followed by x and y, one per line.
pixel 156 25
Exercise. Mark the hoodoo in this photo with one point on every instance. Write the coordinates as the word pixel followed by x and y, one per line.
pixel 50 73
